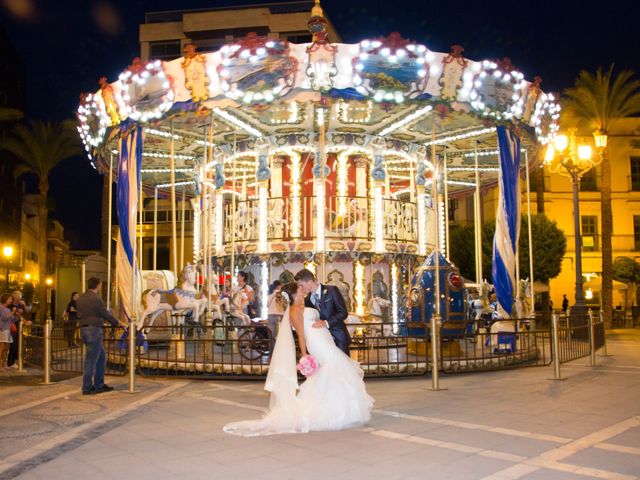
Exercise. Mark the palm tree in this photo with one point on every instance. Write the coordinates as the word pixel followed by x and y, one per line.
pixel 594 101
pixel 8 114
pixel 40 147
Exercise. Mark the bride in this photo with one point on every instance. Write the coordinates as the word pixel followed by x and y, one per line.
pixel 334 398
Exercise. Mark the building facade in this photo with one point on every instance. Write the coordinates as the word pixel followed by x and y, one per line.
pixel 12 102
pixel 624 156
pixel 164 34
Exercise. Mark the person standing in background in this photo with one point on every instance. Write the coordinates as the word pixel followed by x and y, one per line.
pixel 71 319
pixel 21 308
pixel 91 316
pixel 565 304
pixel 8 317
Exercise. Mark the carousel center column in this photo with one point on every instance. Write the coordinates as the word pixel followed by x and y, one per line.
pixel 277 205
pixel 263 174
pixel 378 175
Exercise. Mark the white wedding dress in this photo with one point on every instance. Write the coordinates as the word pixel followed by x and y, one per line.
pixel 334 398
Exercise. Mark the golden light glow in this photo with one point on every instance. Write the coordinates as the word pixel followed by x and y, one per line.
pixel 7 251
pixel 561 142
pixel 49 281
pixel 584 152
pixel 27 276
pixel 551 152
pixel 311 266
pixel 359 288
pixel 588 294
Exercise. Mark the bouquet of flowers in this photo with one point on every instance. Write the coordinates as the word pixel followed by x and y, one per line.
pixel 307 366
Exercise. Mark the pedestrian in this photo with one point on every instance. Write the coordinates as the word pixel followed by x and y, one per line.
pixel 21 308
pixel 91 316
pixel 70 318
pixel 8 318
pixel 565 304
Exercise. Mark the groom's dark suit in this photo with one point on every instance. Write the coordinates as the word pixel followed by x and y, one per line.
pixel 333 309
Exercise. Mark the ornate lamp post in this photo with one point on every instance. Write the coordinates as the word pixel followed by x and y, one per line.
pixel 571 160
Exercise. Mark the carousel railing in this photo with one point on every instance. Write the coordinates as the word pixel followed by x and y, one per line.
pixel 496 345
pixel 345 218
pixel 230 350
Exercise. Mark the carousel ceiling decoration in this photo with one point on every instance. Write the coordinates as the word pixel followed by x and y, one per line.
pixel 389 100
pixel 249 75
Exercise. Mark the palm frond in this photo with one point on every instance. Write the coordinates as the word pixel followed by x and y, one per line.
pixel 41 146
pixel 597 98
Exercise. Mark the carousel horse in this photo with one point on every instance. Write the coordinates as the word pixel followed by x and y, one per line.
pixel 182 299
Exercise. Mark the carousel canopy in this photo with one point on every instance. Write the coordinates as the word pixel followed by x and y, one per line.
pixel 390 95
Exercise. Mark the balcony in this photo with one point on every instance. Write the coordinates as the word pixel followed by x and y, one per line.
pixel 619 243
pixel 355 223
pixel 590 243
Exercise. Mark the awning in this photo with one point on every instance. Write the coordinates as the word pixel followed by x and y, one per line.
pixel 596 284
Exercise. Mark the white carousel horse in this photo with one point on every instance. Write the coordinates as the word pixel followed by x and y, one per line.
pixel 376 306
pixel 183 299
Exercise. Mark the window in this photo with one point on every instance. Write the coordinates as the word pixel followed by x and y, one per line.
pixel 588 182
pixel 635 173
pixel 453 206
pixel 165 50
pixel 636 232
pixel 164 253
pixel 589 232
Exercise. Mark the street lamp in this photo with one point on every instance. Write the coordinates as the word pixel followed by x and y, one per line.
pixel 573 161
pixel 7 252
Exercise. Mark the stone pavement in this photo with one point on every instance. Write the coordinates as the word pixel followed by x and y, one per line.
pixel 513 424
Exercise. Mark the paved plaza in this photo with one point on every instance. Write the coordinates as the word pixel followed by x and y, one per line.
pixel 499 425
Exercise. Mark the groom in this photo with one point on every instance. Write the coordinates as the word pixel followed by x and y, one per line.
pixel 328 300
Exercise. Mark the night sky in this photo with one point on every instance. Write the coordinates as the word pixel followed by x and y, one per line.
pixel 66 45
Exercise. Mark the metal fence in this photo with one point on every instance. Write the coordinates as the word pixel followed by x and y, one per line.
pixel 67 350
pixel 226 350
pixel 574 336
pixel 33 345
pixel 244 351
pixel 503 344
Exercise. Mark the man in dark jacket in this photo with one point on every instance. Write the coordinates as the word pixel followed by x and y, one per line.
pixel 328 300
pixel 92 314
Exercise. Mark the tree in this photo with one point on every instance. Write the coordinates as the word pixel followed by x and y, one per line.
pixel 40 147
pixel 627 270
pixel 8 114
pixel 593 101
pixel 549 248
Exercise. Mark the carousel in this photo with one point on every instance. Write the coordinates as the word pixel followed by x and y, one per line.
pixel 342 158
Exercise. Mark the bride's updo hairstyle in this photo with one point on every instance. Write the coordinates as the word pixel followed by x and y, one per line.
pixel 289 291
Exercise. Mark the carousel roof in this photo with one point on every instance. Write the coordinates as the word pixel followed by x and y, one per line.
pixel 260 92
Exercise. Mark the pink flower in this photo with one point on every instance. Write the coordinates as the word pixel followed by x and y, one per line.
pixel 308 366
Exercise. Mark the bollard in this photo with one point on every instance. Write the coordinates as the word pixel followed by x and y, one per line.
pixel 47 351
pixel 556 350
pixel 20 347
pixel 132 356
pixel 435 352
pixel 592 340
pixel 604 334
